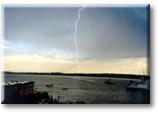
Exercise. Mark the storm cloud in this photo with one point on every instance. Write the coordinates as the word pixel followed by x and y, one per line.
pixel 104 33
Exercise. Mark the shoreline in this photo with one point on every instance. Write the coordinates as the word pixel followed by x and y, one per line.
pixel 107 75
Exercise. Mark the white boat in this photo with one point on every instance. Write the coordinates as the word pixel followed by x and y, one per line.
pixel 145 85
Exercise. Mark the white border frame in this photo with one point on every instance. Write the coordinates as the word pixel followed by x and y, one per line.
pixel 79 109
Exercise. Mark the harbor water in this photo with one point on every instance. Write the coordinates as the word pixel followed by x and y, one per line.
pixel 87 89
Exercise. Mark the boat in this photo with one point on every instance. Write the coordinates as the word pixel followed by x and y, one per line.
pixel 17 92
pixel 145 85
pixel 109 81
pixel 16 88
pixel 65 89
pixel 49 85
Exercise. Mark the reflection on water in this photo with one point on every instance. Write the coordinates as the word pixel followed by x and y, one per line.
pixel 88 89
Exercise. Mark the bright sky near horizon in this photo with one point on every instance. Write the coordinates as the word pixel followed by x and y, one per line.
pixel 110 39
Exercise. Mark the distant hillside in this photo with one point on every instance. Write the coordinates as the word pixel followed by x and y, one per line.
pixel 110 75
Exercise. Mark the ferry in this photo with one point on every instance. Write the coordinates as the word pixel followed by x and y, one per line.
pixel 18 92
pixel 16 88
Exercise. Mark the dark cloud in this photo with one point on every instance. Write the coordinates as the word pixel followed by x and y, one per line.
pixel 103 32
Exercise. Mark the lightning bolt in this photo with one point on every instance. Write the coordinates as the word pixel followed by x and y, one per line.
pixel 75 36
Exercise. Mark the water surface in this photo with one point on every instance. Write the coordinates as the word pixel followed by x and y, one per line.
pixel 87 89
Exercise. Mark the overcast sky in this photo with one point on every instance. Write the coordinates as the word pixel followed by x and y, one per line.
pixel 106 37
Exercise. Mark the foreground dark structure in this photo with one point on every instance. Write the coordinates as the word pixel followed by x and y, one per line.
pixel 22 92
